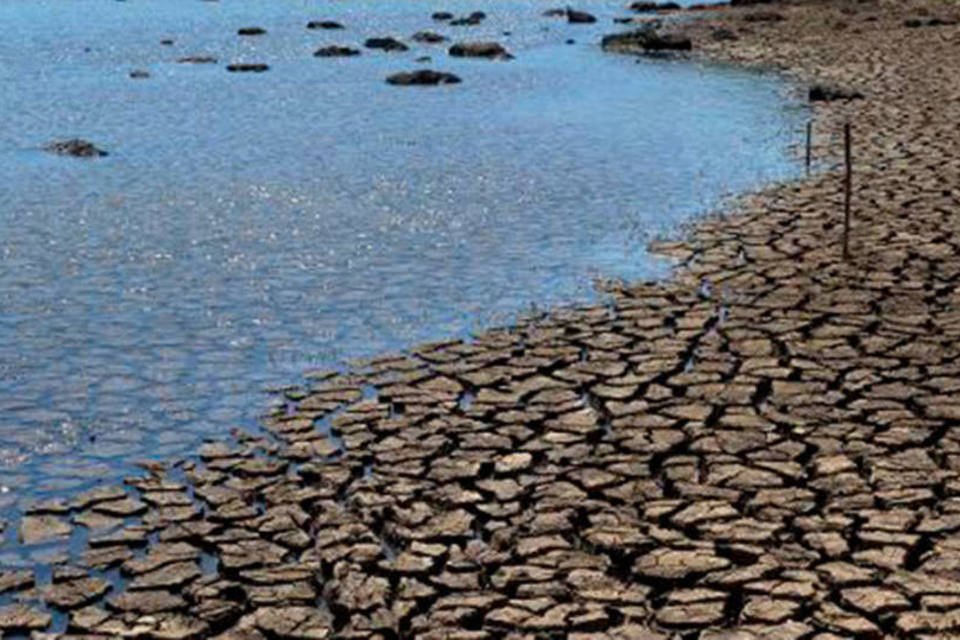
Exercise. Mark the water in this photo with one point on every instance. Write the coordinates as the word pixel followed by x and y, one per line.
pixel 246 228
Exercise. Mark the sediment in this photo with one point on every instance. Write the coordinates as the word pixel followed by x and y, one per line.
pixel 765 446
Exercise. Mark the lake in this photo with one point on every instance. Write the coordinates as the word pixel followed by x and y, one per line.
pixel 246 228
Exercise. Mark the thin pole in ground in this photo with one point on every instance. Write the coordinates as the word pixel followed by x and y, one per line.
pixel 847 183
pixel 809 142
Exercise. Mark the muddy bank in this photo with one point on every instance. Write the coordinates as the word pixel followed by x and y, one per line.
pixel 764 446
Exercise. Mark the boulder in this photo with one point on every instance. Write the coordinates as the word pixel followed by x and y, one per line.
pixel 386 44
pixel 248 67
pixel 580 17
pixel 489 50
pixel 422 77
pixel 646 40
pixel 429 37
pixel 829 93
pixel 442 16
pixel 336 51
pixel 251 31
pixel 324 24
pixel 75 147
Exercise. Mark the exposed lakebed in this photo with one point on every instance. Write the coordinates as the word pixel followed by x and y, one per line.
pixel 245 228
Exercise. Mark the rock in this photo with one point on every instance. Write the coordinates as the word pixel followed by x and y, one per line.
pixel 386 44
pixel 167 42
pixel 442 16
pixel 646 40
pixel 247 67
pixel 78 149
pixel 138 74
pixel 251 31
pixel 424 77
pixel 471 20
pixel 428 37
pixel 580 17
pixel 648 7
pixel 828 93
pixel 324 24
pixel 335 51
pixel 197 60
pixel 18 617
pixel 490 50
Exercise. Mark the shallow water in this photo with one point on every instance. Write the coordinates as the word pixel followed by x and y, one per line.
pixel 249 227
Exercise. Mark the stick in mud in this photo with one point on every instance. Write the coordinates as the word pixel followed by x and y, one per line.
pixel 809 136
pixel 847 180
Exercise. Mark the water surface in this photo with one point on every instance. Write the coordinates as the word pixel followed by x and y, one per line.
pixel 246 228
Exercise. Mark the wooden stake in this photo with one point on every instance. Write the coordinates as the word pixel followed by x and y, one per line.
pixel 847 183
pixel 809 142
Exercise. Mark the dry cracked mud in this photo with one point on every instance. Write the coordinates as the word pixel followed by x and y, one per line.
pixel 765 446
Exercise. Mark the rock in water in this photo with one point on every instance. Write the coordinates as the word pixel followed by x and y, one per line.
pixel 138 74
pixel 75 147
pixel 490 50
pixel 248 67
pixel 336 51
pixel 579 17
pixel 646 40
pixel 441 16
pixel 429 37
pixel 473 19
pixel 423 77
pixel 324 24
pixel 251 31
pixel 386 44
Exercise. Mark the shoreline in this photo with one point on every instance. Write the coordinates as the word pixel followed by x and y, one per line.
pixel 770 455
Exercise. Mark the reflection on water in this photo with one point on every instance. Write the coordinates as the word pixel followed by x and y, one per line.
pixel 246 228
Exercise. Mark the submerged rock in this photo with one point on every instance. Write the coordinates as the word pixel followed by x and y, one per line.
pixel 828 93
pixel 424 77
pixel 386 44
pixel 78 149
pixel 336 51
pixel 324 24
pixel 646 40
pixel 442 16
pixel 138 74
pixel 580 17
pixel 197 60
pixel 248 67
pixel 251 31
pixel 489 50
